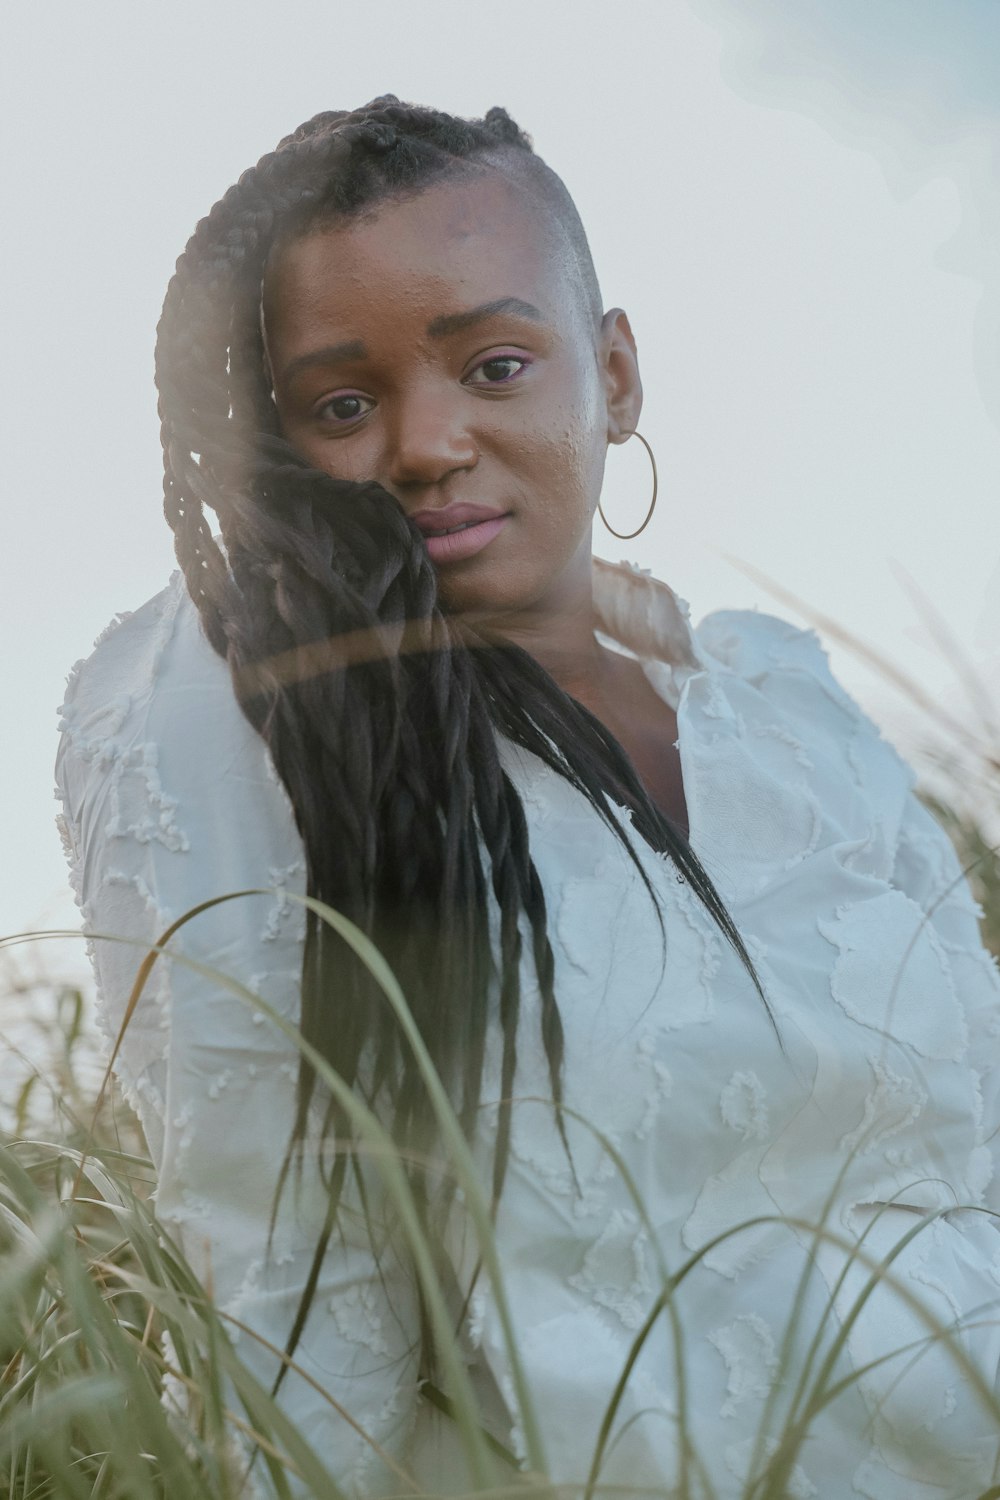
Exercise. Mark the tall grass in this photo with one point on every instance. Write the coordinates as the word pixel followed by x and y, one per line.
pixel 101 1318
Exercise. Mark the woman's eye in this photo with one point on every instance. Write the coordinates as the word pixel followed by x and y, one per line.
pixel 500 370
pixel 344 408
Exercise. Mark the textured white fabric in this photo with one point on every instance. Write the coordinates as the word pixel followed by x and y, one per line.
pixel 876 1082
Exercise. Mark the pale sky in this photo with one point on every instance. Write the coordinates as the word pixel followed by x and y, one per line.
pixel 795 200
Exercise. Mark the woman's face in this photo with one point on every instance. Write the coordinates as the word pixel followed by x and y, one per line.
pixel 442 346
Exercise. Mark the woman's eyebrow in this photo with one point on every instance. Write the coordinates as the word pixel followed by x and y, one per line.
pixel 456 322
pixel 330 355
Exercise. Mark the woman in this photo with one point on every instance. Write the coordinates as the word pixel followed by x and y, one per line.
pixel 663 905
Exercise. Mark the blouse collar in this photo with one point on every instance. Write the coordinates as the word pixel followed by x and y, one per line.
pixel 644 614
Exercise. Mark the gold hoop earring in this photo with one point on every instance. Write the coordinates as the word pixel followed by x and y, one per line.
pixel 627 536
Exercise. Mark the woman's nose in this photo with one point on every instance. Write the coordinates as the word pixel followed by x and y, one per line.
pixel 428 438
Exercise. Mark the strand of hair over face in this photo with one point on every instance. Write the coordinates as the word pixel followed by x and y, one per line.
pixel 380 714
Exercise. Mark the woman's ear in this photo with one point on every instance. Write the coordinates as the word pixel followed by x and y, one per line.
pixel 620 369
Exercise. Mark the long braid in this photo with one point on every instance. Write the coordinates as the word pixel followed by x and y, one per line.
pixel 380 713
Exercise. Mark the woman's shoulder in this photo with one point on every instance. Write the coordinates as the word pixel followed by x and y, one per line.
pixel 788 669
pixel 793 722
pixel 646 615
pixel 756 645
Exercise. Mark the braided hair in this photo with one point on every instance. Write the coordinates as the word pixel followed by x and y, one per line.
pixel 380 712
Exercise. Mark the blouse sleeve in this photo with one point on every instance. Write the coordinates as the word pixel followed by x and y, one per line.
pixel 867 793
pixel 169 799
pixel 928 870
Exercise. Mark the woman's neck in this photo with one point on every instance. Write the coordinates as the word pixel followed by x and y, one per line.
pixel 563 642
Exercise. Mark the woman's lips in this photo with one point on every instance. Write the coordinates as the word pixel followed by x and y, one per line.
pixel 465 543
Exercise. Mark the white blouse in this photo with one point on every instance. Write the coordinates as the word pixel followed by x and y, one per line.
pixel 876 1081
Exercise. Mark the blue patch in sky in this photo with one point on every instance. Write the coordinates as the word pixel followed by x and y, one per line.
pixel 949 47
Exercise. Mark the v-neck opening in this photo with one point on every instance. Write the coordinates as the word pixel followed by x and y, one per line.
pixel 654 667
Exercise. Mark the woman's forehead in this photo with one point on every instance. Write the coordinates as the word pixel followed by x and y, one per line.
pixel 462 240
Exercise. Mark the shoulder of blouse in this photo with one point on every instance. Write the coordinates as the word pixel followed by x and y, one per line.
pixel 161 641
pixel 788 664
pixel 753 644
